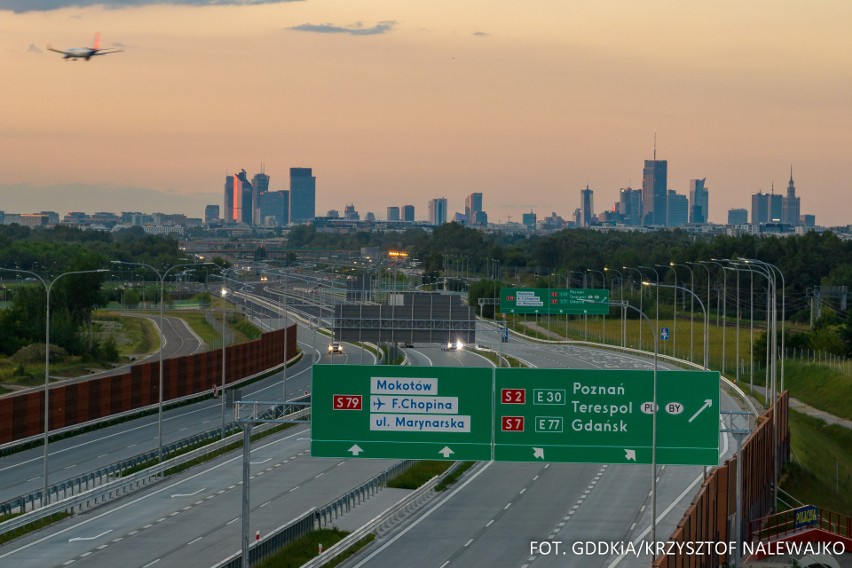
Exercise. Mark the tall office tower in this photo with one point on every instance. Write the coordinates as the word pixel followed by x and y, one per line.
pixel 246 209
pixel 528 220
pixel 472 206
pixel 737 216
pixel 303 195
pixel 350 213
pixel 211 214
pixel 699 201
pixel 438 211
pixel 655 190
pixel 677 209
pixel 260 185
pixel 766 207
pixel 587 207
pixel 791 206
pixel 630 205
pixel 408 213
pixel 274 208
pixel 231 201
pixel 393 213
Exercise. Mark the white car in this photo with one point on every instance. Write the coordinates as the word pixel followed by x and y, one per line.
pixel 456 345
pixel 335 347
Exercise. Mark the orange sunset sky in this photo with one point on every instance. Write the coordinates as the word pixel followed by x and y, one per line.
pixel 394 102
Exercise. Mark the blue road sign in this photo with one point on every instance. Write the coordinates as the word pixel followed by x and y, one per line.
pixel 664 334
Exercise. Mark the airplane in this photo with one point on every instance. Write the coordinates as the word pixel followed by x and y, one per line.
pixel 75 53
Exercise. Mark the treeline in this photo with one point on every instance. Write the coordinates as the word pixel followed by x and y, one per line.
pixel 50 252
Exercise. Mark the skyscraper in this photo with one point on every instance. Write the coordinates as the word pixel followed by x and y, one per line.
pixel 630 205
pixel 231 202
pixel 791 206
pixel 438 211
pixel 472 208
pixel 393 214
pixel 699 200
pixel 766 207
pixel 408 213
pixel 211 214
pixel 244 191
pixel 654 191
pixel 260 185
pixel 274 208
pixel 677 209
pixel 587 207
pixel 303 185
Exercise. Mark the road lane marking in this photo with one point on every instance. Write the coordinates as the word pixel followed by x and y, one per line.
pixel 78 538
pixel 194 541
pixel 188 494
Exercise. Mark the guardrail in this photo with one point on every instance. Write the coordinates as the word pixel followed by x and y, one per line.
pixel 323 516
pixel 123 485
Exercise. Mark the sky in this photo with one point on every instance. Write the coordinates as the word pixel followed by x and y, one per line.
pixel 395 102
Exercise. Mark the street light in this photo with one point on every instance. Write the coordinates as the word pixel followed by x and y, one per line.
pixel 603 285
pixel 641 294
pixel 657 302
pixel 162 278
pixel 703 309
pixel 623 310
pixel 724 307
pixel 673 264
pixel 48 285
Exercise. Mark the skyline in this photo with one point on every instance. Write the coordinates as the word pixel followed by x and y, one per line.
pixel 392 103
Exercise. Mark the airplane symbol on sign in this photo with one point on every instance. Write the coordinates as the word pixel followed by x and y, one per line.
pixel 378 404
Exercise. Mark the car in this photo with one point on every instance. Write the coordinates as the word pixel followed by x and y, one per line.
pixel 453 346
pixel 335 347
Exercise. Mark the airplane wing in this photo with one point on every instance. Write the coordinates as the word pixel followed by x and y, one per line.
pixel 107 51
pixel 57 50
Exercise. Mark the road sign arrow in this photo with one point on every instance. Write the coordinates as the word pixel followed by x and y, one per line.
pixel 446 451
pixel 355 449
pixel 707 404
pixel 79 538
pixel 630 455
pixel 538 453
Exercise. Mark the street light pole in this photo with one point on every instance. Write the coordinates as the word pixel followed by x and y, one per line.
pixel 657 302
pixel 603 285
pixel 641 294
pixel 48 285
pixel 691 308
pixel 623 309
pixel 162 278
pixel 703 309
pixel 724 307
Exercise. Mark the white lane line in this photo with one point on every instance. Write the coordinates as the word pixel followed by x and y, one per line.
pixel 233 521
pixel 422 518
pixel 151 563
pixel 78 538
pixel 489 523
pixel 194 541
pixel 187 494
pixel 509 504
pixel 70 466
pixel 265 504
pixel 468 543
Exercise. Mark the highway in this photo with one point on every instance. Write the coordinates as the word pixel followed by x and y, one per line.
pixel 489 519
pixel 499 510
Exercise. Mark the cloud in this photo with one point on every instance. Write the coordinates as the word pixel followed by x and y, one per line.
pixel 356 29
pixel 21 6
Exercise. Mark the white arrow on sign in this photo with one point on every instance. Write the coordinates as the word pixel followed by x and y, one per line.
pixel 446 451
pixel 75 539
pixel 630 455
pixel 707 404
pixel 538 453
pixel 355 449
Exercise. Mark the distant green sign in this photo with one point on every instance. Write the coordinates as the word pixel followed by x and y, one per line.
pixel 554 301
pixel 553 415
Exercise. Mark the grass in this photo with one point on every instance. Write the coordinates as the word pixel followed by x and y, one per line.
pixel 453 476
pixel 306 547
pixel 820 386
pixel 820 472
pixel 34 526
pixel 418 474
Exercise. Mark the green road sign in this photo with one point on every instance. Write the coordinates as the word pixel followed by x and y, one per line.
pixel 552 415
pixel 554 301
pixel 574 415
pixel 401 412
